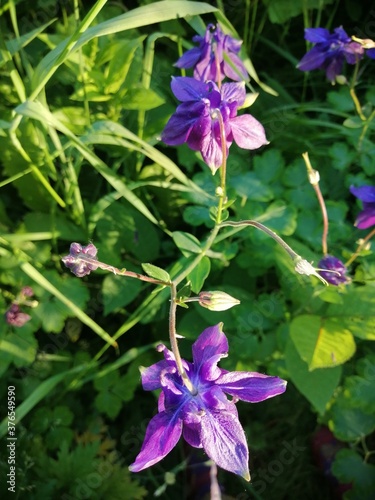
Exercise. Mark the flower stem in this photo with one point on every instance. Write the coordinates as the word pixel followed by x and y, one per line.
pixel 314 181
pixel 360 247
pixel 223 169
pixel 173 340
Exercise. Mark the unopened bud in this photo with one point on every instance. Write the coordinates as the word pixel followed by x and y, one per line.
pixel 217 301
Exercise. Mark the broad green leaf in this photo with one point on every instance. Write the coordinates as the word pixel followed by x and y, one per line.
pixel 322 342
pixel 156 272
pixel 283 10
pixel 251 187
pixel 141 99
pixel 121 53
pixel 280 217
pixel 350 468
pixel 118 292
pixel 186 242
pixel 349 422
pixel 269 165
pixel 356 312
pixel 317 386
pixel 108 403
pixel 341 155
pixel 199 274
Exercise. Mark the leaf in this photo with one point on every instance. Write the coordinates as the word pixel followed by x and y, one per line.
pixel 108 403
pixel 141 99
pixel 186 242
pixel 349 422
pixel 198 276
pixel 249 186
pixel 317 386
pixel 269 165
pixel 118 292
pixel 356 312
pixel 322 342
pixel 156 272
pixel 350 467
pixel 280 217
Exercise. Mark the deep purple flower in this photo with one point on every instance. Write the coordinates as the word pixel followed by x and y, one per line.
pixel 15 317
pixel 206 418
pixel 197 120
pixel 330 51
pixel 371 53
pixel 210 59
pixel 366 194
pixel 81 260
pixel 331 263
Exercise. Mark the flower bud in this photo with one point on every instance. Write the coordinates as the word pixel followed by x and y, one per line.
pixel 217 301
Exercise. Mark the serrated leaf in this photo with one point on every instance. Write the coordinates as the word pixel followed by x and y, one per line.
pixel 317 386
pixel 250 186
pixel 322 342
pixel 156 272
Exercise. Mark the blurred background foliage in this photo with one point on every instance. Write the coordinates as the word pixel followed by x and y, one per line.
pixel 84 96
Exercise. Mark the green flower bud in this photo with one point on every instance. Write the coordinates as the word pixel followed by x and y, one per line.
pixel 217 301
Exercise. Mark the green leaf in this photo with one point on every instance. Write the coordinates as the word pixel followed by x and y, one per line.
pixel 350 468
pixel 156 272
pixel 249 186
pixel 198 276
pixel 280 217
pixel 118 291
pixel 349 422
pixel 283 10
pixel 322 342
pixel 341 155
pixel 108 403
pixel 269 165
pixel 186 242
pixel 317 386
pixel 141 99
pixel 356 312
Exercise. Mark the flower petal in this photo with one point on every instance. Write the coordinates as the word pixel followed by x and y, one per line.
pixel 211 342
pixel 189 59
pixel 186 88
pixel 364 193
pixel 234 92
pixel 151 375
pixel 224 441
pixel 313 59
pixel 251 386
pixel 162 435
pixel 317 35
pixel 247 132
pixel 366 218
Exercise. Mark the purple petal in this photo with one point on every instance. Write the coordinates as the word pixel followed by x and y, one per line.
pixel 224 441
pixel 211 151
pixel 180 123
pixel 342 35
pixel 313 59
pixel 366 218
pixel 332 263
pixel 189 89
pixel 364 193
pixel 353 52
pixel 191 434
pixel 371 53
pixel 231 92
pixel 334 67
pixel 189 59
pixel 162 435
pixel 151 375
pixel 247 132
pixel 212 341
pixel 201 128
pixel 316 35
pixel 251 386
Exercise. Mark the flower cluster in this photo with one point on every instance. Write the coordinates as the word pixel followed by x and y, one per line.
pixel 330 51
pixel 205 417
pixel 81 260
pixel 215 57
pixel 208 114
pixel 14 315
pixel 207 118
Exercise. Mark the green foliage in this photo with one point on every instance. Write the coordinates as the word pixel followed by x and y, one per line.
pixel 84 96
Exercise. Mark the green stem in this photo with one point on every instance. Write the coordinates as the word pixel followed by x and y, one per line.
pixel 360 247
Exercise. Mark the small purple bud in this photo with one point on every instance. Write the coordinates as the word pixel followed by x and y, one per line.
pixel 331 263
pixel 15 317
pixel 27 291
pixel 81 260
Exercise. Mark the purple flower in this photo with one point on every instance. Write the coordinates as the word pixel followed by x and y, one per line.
pixel 333 264
pixel 197 120
pixel 15 317
pixel 371 53
pixel 210 59
pixel 205 417
pixel 81 260
pixel 366 194
pixel 330 51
